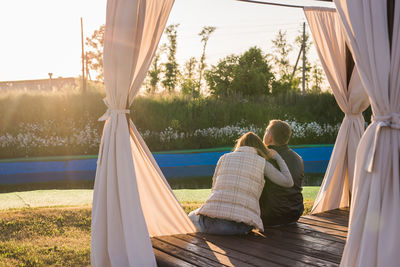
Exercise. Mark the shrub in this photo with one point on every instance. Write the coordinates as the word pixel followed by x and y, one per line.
pixel 65 123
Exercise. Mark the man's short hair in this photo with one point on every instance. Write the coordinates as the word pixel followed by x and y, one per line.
pixel 280 132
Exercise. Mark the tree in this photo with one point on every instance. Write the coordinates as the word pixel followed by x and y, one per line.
pixel 246 75
pixel 219 78
pixel 284 81
pixel 155 71
pixel 189 85
pixel 205 35
pixel 317 76
pixel 282 49
pixel 94 55
pixel 252 76
pixel 171 70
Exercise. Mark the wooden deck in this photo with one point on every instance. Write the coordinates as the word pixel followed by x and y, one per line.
pixel 316 240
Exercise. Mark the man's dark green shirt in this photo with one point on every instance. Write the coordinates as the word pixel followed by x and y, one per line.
pixel 281 205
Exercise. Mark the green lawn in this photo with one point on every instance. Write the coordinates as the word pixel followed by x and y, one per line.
pixel 34 232
pixel 46 198
pixel 200 195
pixel 83 197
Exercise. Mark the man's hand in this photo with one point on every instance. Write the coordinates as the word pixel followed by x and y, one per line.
pixel 271 153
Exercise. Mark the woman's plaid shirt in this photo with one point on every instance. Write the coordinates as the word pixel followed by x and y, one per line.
pixel 237 186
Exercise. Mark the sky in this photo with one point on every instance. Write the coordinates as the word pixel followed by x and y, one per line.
pixel 43 36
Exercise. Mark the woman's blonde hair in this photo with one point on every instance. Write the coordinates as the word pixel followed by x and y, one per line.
pixel 252 140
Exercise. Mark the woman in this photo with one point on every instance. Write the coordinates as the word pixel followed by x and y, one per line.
pixel 233 207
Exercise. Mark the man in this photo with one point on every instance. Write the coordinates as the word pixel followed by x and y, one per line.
pixel 280 205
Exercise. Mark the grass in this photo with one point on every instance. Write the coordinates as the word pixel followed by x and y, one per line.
pixel 46 198
pixel 79 197
pixel 45 236
pixel 33 235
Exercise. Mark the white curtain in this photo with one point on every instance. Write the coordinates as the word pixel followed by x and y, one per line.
pixel 352 99
pixel 374 236
pixel 132 200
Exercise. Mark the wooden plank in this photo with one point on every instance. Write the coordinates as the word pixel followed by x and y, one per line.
pixel 343 218
pixel 303 235
pixel 255 261
pixel 268 251
pixel 221 258
pixel 165 260
pixel 311 249
pixel 337 216
pixel 182 254
pixel 324 224
pixel 328 219
pixel 333 217
pixel 339 212
pixel 330 246
pixel 322 229
pixel 305 229
pixel 336 211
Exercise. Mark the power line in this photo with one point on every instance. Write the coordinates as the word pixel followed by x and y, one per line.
pixel 258 25
pixel 242 31
pixel 271 3
pixel 280 4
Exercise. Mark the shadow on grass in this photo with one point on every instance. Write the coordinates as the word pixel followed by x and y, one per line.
pixel 196 182
pixel 175 183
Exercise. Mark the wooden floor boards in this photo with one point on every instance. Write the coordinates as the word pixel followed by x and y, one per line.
pixel 315 240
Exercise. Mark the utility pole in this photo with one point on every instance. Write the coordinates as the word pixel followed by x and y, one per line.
pixel 297 62
pixel 87 67
pixel 50 81
pixel 83 61
pixel 304 59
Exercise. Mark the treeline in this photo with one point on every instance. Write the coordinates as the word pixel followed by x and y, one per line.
pixel 252 73
pixel 156 113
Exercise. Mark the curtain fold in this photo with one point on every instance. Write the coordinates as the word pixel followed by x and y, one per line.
pixel 373 238
pixel 162 211
pixel 121 200
pixel 330 43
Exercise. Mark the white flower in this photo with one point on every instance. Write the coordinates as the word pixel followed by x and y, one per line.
pixel 31 136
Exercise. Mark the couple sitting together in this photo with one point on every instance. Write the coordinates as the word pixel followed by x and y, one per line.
pixel 257 185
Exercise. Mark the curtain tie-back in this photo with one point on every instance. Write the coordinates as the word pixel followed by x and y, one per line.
pixel 389 120
pixel 110 111
pixel 353 116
